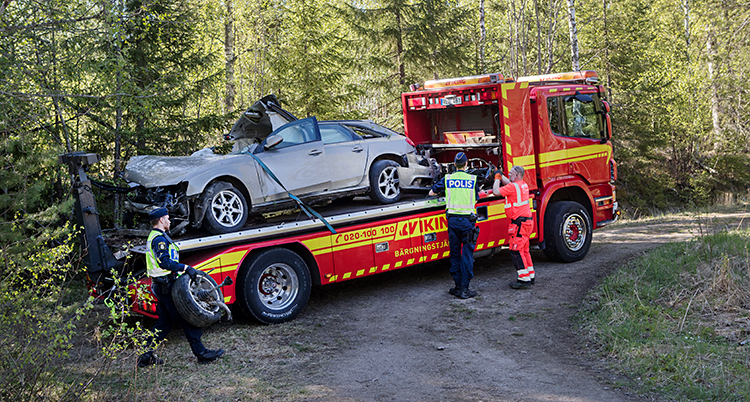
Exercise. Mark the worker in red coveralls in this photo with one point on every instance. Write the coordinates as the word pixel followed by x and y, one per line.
pixel 517 208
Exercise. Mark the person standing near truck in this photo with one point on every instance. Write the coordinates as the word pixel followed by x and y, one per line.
pixel 461 195
pixel 163 266
pixel 517 208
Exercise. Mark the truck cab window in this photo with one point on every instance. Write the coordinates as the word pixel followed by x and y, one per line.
pixel 569 117
pixel 554 116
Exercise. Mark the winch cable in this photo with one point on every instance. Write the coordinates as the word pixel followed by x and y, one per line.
pixel 108 187
pixel 304 207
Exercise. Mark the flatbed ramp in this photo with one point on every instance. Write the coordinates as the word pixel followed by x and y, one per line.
pixel 337 215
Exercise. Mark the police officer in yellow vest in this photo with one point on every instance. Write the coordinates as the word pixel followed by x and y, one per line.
pixel 163 266
pixel 461 195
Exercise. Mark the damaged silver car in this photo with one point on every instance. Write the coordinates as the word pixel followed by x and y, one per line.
pixel 275 154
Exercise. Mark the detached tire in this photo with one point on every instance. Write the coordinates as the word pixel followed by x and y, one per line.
pixel 384 182
pixel 226 208
pixel 193 310
pixel 567 228
pixel 275 286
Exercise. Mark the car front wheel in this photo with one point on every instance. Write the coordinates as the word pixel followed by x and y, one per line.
pixel 384 182
pixel 226 208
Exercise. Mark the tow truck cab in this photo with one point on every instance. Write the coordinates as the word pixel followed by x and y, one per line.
pixel 556 126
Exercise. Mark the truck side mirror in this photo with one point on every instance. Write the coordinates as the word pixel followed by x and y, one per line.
pixel 273 141
pixel 608 123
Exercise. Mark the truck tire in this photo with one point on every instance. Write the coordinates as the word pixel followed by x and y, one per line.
pixel 275 286
pixel 192 308
pixel 226 208
pixel 567 231
pixel 384 184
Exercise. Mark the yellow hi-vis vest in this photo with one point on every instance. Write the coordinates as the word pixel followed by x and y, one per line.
pixel 152 264
pixel 460 196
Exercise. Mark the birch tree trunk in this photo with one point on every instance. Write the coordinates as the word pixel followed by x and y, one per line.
pixel 606 51
pixel 715 118
pixel 538 39
pixel 482 37
pixel 553 8
pixel 573 34
pixel 229 56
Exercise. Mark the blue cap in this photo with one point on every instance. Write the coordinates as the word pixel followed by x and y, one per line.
pixel 460 159
pixel 157 213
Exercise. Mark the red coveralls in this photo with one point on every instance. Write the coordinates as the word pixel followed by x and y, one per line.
pixel 518 210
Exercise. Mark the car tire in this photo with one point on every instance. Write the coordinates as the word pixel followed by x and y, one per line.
pixel 275 286
pixel 226 208
pixel 192 308
pixel 567 231
pixel 384 182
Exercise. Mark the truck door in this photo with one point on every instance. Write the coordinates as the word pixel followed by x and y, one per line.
pixel 577 131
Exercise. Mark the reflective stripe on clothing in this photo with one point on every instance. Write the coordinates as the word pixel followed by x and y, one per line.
pixel 460 196
pixel 517 199
pixel 152 263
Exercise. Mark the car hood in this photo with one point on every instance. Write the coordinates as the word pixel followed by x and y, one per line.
pixel 159 171
pixel 263 117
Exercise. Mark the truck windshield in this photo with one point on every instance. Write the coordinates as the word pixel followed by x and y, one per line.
pixel 571 118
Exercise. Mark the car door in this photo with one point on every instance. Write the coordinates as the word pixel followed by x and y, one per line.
pixel 298 161
pixel 346 155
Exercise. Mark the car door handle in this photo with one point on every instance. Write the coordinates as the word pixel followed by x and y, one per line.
pixel 315 152
pixel 357 149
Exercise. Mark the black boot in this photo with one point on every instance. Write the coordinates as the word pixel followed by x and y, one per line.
pixel 521 284
pixel 455 291
pixel 209 355
pixel 467 292
pixel 148 359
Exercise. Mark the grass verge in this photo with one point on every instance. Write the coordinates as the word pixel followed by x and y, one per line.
pixel 676 320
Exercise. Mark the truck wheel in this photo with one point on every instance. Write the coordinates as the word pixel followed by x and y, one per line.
pixel 226 208
pixel 275 286
pixel 384 185
pixel 567 228
pixel 194 309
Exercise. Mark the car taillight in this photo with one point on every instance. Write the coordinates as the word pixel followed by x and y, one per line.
pixel 410 142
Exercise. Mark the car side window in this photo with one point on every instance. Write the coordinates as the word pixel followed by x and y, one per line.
pixel 297 132
pixel 332 134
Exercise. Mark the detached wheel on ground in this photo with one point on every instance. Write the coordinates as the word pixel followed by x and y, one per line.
pixel 567 228
pixel 226 208
pixel 384 182
pixel 274 286
pixel 199 309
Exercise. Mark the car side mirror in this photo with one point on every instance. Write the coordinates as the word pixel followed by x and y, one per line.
pixel 273 141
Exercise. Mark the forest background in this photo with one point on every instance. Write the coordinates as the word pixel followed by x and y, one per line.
pixel 128 77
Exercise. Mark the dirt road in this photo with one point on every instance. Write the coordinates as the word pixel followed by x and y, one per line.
pixel 401 337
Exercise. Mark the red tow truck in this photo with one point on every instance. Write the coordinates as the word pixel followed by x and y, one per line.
pixel 556 126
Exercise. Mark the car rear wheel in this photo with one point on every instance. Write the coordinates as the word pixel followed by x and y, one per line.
pixel 384 182
pixel 226 208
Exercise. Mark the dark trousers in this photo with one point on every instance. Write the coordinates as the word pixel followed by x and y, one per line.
pixel 168 316
pixel 462 252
